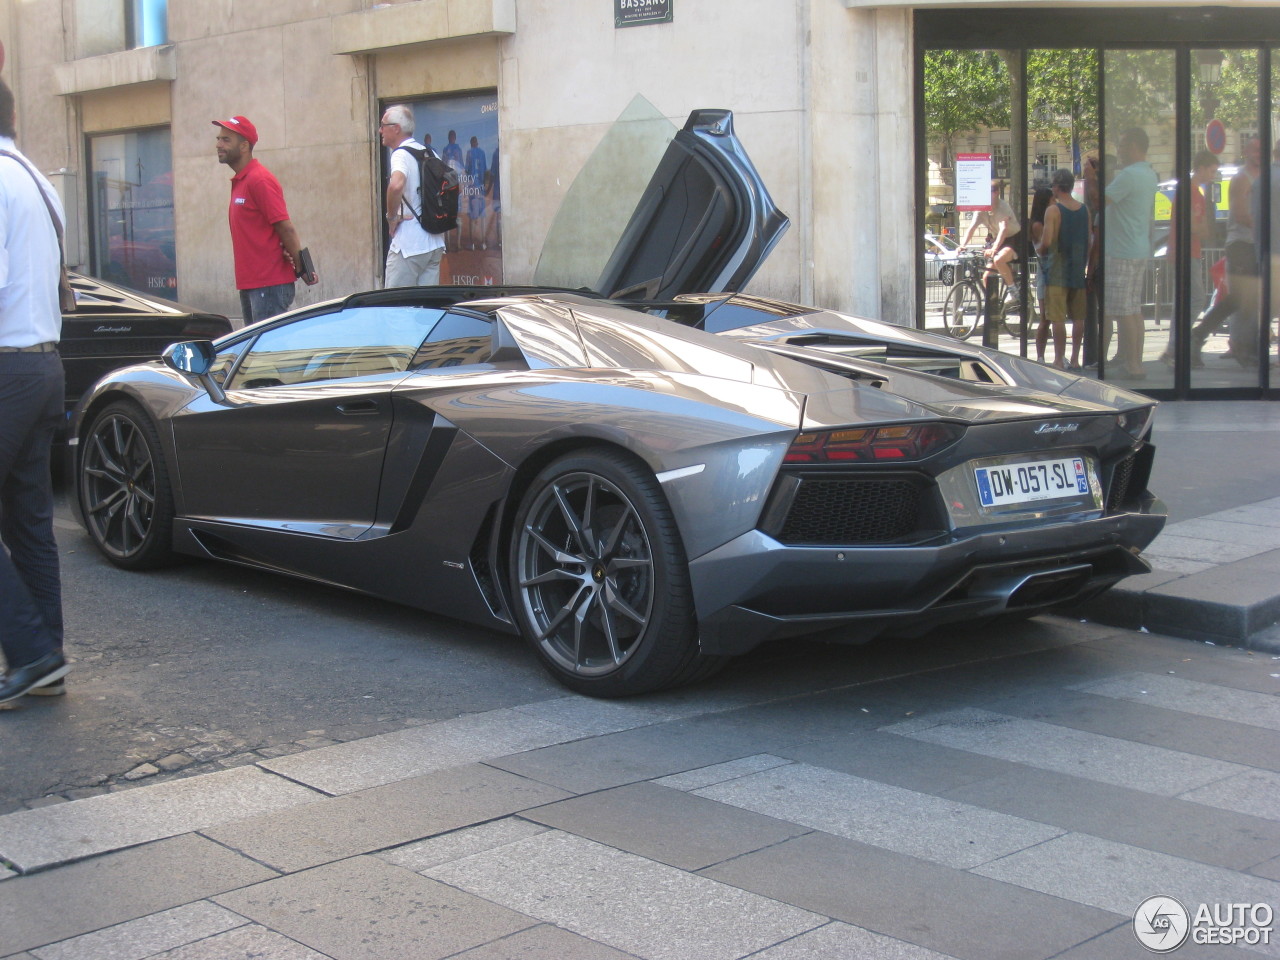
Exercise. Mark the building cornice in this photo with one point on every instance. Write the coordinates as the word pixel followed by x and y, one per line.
pixel 112 71
pixel 400 25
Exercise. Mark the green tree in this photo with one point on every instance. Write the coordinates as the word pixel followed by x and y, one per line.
pixel 1062 96
pixel 964 91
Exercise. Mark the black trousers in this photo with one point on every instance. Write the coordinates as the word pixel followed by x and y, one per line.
pixel 31 398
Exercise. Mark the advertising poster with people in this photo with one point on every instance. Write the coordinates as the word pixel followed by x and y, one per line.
pixel 463 131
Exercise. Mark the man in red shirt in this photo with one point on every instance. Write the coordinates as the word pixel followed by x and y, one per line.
pixel 264 242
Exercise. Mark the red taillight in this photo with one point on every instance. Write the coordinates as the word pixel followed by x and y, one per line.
pixel 871 444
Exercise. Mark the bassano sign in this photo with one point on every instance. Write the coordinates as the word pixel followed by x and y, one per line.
pixel 635 13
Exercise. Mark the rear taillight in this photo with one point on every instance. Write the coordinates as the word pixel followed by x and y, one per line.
pixel 872 444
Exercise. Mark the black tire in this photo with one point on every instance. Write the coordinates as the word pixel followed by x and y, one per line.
pixel 947 274
pixel 962 311
pixel 124 490
pixel 599 580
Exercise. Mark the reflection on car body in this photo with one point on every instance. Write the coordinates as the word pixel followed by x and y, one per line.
pixel 641 488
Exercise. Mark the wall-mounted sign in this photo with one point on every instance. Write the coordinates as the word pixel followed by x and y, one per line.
pixel 973 181
pixel 635 13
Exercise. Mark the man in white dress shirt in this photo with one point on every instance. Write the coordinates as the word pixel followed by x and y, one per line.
pixel 31 397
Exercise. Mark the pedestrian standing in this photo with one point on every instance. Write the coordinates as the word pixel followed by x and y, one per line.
pixel 264 242
pixel 1064 251
pixel 1127 218
pixel 413 258
pixel 31 392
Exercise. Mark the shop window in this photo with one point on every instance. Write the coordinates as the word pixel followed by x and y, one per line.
pixel 109 27
pixel 131 210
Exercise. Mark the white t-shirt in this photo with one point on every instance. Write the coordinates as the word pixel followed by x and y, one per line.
pixel 410 239
pixel 29 256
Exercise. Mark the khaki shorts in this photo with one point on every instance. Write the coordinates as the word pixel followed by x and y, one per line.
pixel 1063 302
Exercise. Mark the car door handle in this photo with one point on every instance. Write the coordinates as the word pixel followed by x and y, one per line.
pixel 358 408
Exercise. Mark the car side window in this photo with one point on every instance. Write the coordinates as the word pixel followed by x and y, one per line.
pixel 225 359
pixel 357 342
pixel 458 339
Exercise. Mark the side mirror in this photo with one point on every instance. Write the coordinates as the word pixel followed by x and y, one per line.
pixel 192 357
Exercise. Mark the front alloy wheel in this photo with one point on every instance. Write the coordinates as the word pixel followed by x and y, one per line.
pixel 124 488
pixel 599 578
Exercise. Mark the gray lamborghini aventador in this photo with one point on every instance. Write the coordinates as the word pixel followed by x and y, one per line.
pixel 640 485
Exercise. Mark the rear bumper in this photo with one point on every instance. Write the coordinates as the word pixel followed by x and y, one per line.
pixel 754 588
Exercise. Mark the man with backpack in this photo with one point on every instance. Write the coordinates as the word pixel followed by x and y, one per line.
pixel 413 258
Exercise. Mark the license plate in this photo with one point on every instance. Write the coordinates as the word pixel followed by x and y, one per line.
pixel 1031 481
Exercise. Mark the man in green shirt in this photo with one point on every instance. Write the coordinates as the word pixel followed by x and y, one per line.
pixel 1127 231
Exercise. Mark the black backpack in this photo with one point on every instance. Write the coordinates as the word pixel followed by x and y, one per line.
pixel 438 192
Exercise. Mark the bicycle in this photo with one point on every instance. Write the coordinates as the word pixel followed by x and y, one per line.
pixel 966 304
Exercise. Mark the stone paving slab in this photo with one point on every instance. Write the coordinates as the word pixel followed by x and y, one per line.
pixel 636 905
pixel 617 758
pixel 1175 826
pixel 367 909
pixel 1193 697
pixel 1121 943
pixel 849 943
pixel 911 764
pixel 952 912
pixel 1231 603
pixel 147 936
pixel 383 816
pixel 543 942
pixel 665 825
pixel 1068 867
pixel 251 941
pixel 386 758
pixel 1254 792
pixel 1180 547
pixel 82 897
pixel 1216 577
pixel 1157 726
pixel 720 772
pixel 1269 870
pixel 463 842
pixel 906 821
pixel 1049 747
pixel 32 839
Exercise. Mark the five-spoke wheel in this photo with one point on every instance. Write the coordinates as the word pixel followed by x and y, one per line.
pixel 599 578
pixel 124 488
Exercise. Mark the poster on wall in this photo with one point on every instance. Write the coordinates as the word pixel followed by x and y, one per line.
pixel 973 181
pixel 463 131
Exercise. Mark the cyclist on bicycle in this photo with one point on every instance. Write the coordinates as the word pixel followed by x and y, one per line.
pixel 1004 235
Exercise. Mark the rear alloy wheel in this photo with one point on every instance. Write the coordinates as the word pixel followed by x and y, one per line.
pixel 124 489
pixel 600 581
pixel 962 311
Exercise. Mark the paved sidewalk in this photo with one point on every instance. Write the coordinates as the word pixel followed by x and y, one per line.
pixel 1015 810
pixel 1216 566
